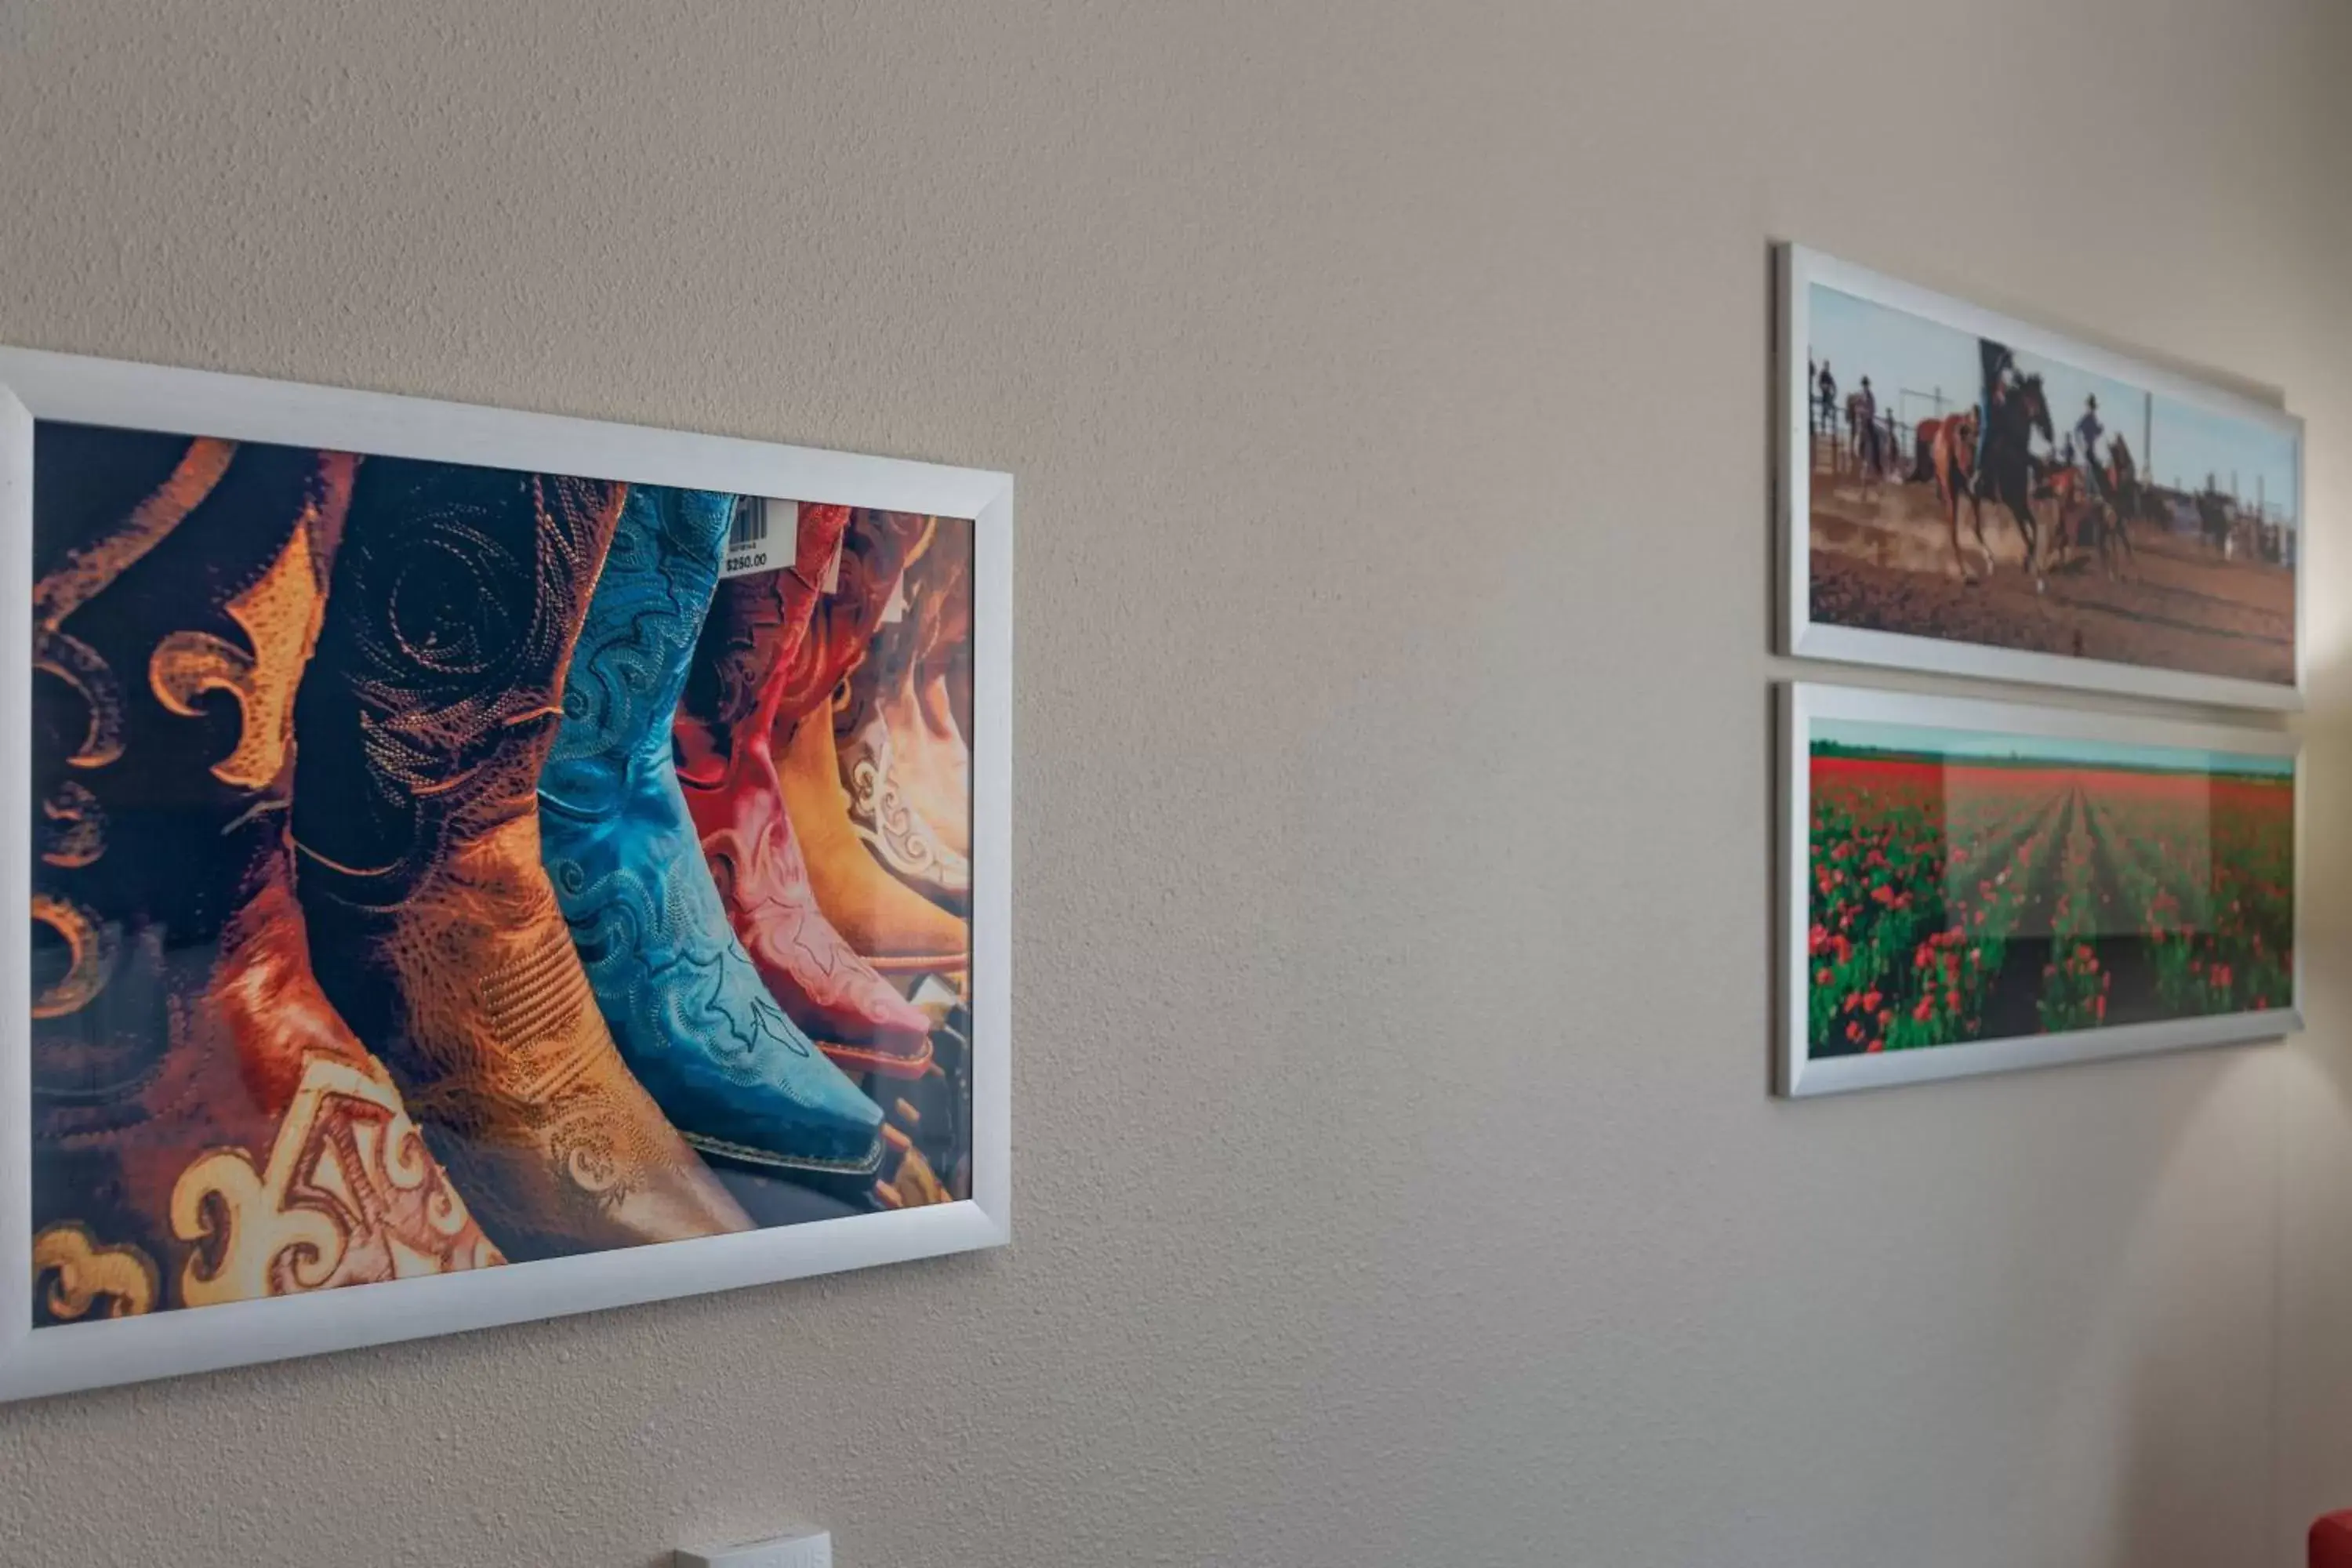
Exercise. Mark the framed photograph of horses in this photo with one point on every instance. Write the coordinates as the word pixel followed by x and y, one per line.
pixel 1966 493
pixel 480 866
pixel 1973 887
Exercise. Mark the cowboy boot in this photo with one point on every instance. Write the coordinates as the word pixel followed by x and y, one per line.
pixel 888 764
pixel 423 721
pixel 946 785
pixel 874 772
pixel 939 783
pixel 337 1200
pixel 207 1128
pixel 928 1133
pixel 725 733
pixel 895 929
pixel 949 687
pixel 913 1185
pixel 692 1019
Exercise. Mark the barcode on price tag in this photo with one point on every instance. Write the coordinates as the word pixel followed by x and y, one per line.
pixel 760 538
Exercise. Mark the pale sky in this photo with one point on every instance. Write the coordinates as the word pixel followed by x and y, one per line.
pixel 2194 442
pixel 1912 362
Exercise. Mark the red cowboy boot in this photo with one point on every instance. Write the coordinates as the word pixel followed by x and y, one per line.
pixel 727 770
pixel 207 1128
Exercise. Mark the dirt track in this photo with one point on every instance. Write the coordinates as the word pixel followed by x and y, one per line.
pixel 1885 564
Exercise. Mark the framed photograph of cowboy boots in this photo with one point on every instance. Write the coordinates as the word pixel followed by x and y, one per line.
pixel 1970 494
pixel 482 866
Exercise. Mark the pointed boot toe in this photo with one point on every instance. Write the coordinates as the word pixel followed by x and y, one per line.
pixel 860 1019
pixel 768 1098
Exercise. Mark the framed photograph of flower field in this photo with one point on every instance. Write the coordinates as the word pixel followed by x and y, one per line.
pixel 480 866
pixel 1972 887
pixel 1967 493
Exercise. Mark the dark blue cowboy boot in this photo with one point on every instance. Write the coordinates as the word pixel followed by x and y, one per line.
pixel 735 1075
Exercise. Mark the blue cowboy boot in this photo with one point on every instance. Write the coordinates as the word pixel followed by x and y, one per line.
pixel 736 1076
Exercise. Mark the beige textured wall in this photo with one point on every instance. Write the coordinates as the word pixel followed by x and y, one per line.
pixel 1386 385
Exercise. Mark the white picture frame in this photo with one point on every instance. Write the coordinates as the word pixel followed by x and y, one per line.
pixel 1799 1073
pixel 35 387
pixel 1800 271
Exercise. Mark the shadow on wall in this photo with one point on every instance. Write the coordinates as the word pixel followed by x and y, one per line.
pixel 2169 1482
pixel 2188 1489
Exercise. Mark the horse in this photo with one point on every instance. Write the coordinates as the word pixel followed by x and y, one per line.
pixel 2073 510
pixel 1923 450
pixel 2081 517
pixel 1950 457
pixel 2008 476
pixel 2126 500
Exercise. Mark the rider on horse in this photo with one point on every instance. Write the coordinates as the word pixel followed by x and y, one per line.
pixel 2087 432
pixel 2000 378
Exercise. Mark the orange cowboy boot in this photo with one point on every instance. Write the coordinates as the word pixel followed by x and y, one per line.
pixel 895 929
pixel 727 769
pixel 423 724
pixel 206 1127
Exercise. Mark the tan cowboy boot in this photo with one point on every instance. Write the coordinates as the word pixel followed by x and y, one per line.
pixel 875 771
pixel 207 1128
pixel 896 930
pixel 423 722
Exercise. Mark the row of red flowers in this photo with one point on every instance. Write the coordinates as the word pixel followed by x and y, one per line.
pixel 1923 875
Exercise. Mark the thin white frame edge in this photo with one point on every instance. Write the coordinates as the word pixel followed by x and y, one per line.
pixel 59 1359
pixel 1797 1075
pixel 1800 269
